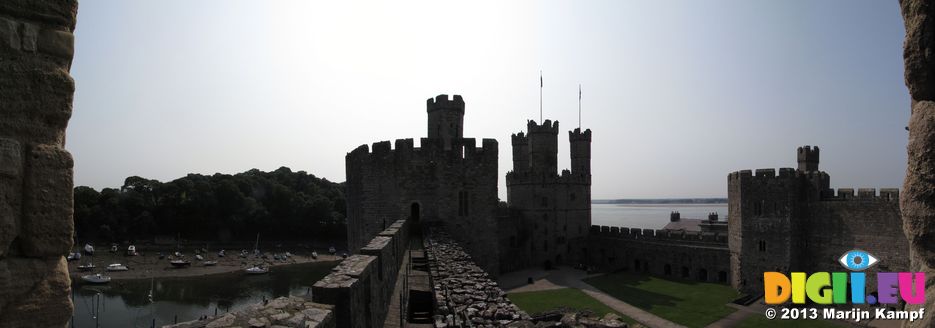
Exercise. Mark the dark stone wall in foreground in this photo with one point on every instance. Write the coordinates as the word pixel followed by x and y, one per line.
pixel 36 48
pixel 918 199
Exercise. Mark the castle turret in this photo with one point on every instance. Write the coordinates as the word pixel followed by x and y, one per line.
pixel 520 152
pixel 543 146
pixel 808 158
pixel 446 118
pixel 675 216
pixel 580 151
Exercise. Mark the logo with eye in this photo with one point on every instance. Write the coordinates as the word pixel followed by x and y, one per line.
pixel 857 260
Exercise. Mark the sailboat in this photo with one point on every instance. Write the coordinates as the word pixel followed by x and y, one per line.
pixel 207 262
pixel 257 269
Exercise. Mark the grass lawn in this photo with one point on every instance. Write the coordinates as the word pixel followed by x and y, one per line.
pixel 757 321
pixel 541 301
pixel 693 304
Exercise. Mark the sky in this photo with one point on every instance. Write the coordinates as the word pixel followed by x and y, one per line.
pixel 677 93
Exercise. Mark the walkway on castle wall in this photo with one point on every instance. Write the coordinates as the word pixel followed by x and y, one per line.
pixel 565 277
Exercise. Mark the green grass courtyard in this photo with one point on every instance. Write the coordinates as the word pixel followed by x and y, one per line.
pixel 689 303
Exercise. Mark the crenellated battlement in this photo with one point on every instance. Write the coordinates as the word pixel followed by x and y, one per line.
pixel 547 127
pixel 660 235
pixel 519 139
pixel 577 135
pixel 467 148
pixel 771 173
pixel 441 102
pixel 862 194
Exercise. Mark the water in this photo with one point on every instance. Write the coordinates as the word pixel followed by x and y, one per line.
pixel 650 216
pixel 126 304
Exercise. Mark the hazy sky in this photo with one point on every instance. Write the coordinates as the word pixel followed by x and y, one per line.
pixel 677 93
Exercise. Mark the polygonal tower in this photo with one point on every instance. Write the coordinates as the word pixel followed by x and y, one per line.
pixel 808 158
pixel 580 151
pixel 446 118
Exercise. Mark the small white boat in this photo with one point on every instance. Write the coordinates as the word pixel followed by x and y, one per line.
pixel 314 255
pixel 131 251
pixel 221 253
pixel 86 267
pixel 117 267
pixel 96 278
pixel 210 263
pixel 89 249
pixel 256 270
pixel 199 257
pixel 74 256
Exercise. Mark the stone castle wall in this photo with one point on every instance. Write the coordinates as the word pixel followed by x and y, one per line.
pixel 676 254
pixel 36 227
pixel 360 288
pixel 868 221
pixel 793 221
pixel 449 181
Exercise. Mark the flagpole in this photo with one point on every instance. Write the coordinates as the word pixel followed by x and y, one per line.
pixel 540 97
pixel 579 106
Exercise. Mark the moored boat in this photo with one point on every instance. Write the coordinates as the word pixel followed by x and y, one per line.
pixel 96 278
pixel 86 267
pixel 180 263
pixel 256 270
pixel 209 263
pixel 117 267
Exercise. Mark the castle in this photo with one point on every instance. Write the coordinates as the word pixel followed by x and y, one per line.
pixel 787 222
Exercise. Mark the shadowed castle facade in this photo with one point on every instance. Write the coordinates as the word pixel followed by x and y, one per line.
pixel 792 221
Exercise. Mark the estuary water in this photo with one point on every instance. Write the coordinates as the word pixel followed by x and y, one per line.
pixel 650 216
pixel 126 303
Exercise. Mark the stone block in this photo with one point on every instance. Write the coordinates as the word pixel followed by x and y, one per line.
pixel 29 36
pixel 9 34
pixel 36 292
pixel 57 43
pixel 60 12
pixel 47 224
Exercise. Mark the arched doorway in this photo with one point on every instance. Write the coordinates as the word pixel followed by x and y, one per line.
pixel 702 275
pixel 414 212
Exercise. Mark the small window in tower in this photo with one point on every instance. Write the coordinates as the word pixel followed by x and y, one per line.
pixel 565 228
pixel 762 246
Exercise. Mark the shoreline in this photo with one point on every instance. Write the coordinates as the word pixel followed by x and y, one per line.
pixel 150 266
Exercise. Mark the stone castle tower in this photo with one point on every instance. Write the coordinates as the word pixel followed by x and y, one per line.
pixel 550 213
pixel 795 222
pixel 449 181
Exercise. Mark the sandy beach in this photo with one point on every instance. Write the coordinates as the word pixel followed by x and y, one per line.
pixel 150 265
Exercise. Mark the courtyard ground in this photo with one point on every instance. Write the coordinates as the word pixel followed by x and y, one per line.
pixel 540 301
pixel 688 303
